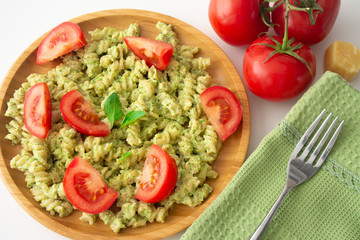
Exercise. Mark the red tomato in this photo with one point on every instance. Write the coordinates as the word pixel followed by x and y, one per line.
pixel 80 115
pixel 299 23
pixel 37 110
pixel 282 76
pixel 155 53
pixel 237 22
pixel 159 176
pixel 223 110
pixel 85 188
pixel 63 39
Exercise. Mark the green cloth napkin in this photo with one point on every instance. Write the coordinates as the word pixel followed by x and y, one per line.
pixel 325 207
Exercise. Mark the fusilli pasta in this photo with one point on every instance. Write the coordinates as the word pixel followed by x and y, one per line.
pixel 174 120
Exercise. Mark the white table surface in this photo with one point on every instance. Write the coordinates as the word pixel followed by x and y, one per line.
pixel 22 22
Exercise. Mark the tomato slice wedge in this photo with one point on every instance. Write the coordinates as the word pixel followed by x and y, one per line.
pixel 159 176
pixel 223 110
pixel 80 115
pixel 37 110
pixel 85 188
pixel 63 39
pixel 155 53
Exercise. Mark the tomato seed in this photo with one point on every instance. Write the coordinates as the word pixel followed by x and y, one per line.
pixel 224 110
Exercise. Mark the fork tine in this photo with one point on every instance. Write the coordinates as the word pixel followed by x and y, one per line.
pixel 306 135
pixel 315 138
pixel 330 145
pixel 322 142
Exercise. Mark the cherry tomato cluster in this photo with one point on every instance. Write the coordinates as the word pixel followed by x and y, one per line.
pixel 280 67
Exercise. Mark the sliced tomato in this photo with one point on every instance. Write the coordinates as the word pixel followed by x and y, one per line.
pixel 155 53
pixel 85 188
pixel 159 176
pixel 223 110
pixel 63 39
pixel 79 114
pixel 37 110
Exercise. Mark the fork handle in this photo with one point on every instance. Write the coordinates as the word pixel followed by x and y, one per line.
pixel 264 224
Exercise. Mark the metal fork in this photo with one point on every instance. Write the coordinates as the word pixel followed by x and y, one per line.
pixel 299 170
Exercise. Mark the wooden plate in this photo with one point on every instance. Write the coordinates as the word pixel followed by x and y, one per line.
pixel 231 156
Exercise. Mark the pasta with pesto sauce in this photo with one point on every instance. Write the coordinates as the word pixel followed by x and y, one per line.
pixel 174 120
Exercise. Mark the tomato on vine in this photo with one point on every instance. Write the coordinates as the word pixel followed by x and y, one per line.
pixel 237 22
pixel 276 68
pixel 282 76
pixel 309 21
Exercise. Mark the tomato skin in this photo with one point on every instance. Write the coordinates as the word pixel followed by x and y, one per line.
pixel 299 24
pixel 161 163
pixel 63 39
pixel 37 110
pixel 155 53
pixel 82 195
pixel 233 112
pixel 91 126
pixel 282 76
pixel 237 22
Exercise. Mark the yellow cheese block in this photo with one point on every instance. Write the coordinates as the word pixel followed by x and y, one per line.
pixel 342 58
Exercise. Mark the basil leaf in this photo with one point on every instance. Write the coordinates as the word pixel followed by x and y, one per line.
pixel 113 108
pixel 125 155
pixel 131 117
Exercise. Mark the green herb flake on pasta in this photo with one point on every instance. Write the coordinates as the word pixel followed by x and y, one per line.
pixel 124 156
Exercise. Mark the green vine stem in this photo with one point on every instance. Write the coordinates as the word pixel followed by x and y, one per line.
pixel 310 6
pixel 265 9
pixel 286 37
